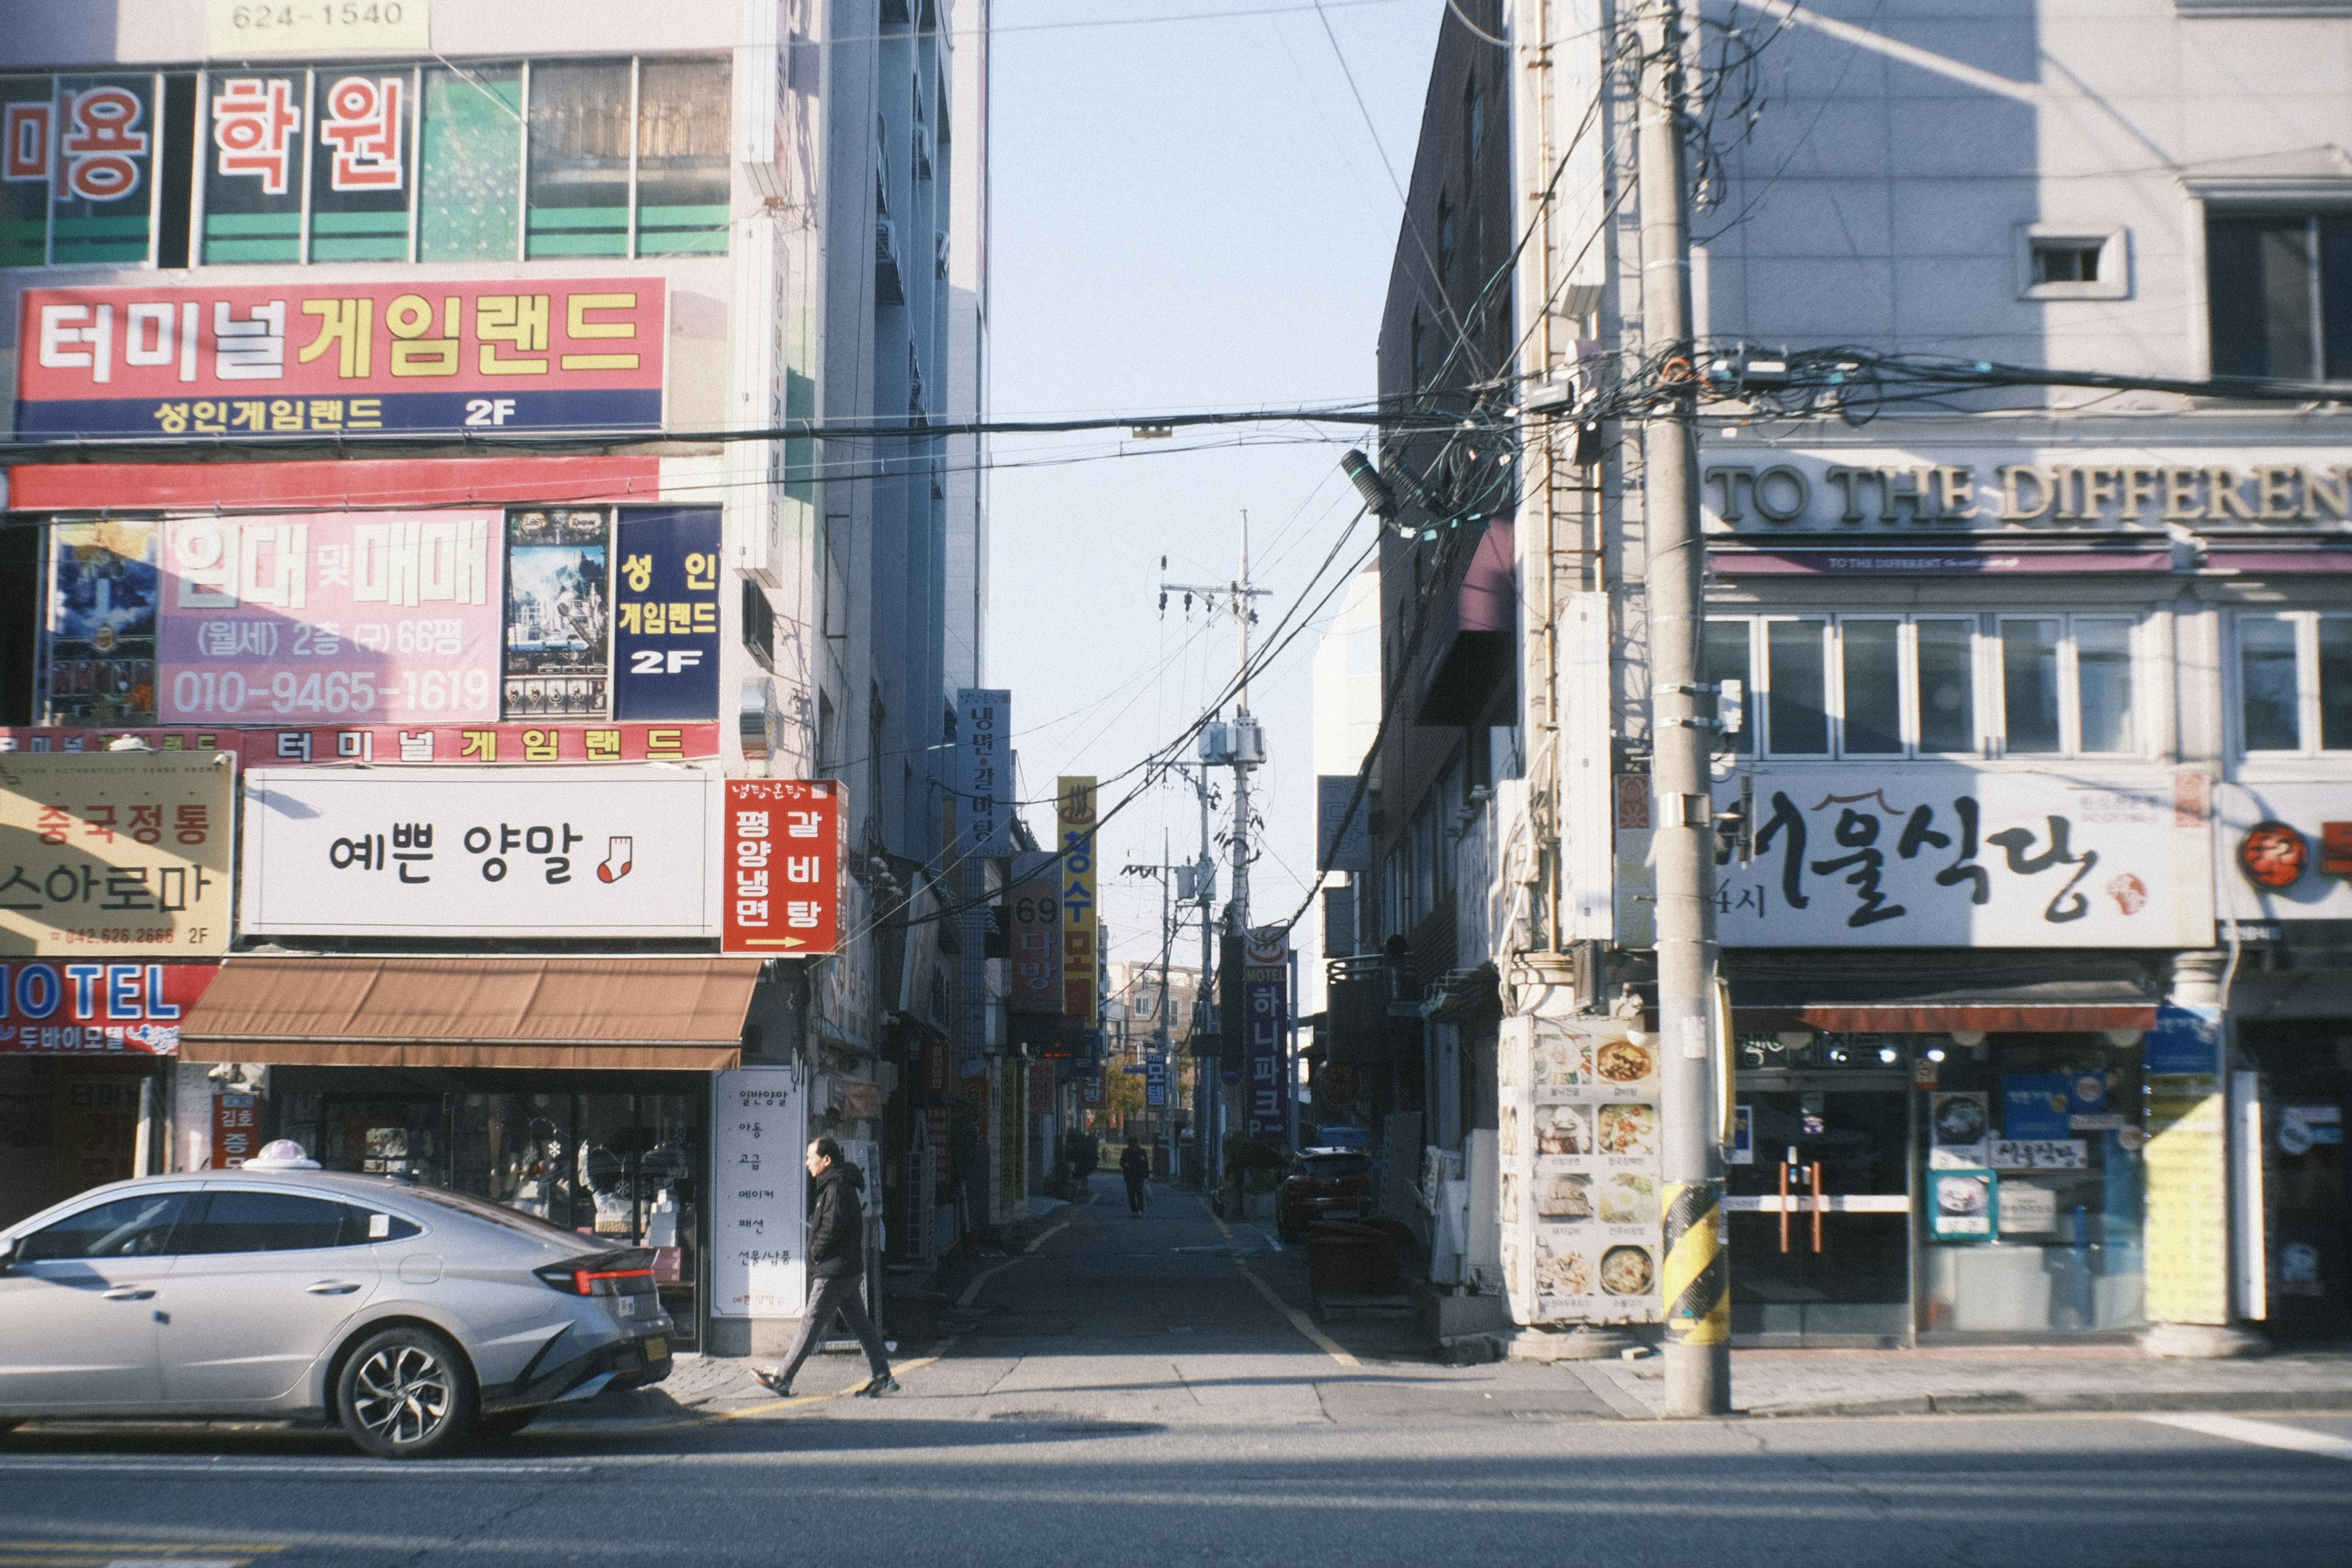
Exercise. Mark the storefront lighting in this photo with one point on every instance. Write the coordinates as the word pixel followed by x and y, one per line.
pixel 1935 1053
pixel 1971 1038
pixel 1888 1056
pixel 2124 1039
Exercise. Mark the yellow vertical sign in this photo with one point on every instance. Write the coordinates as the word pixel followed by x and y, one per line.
pixel 1073 815
pixel 2188 1201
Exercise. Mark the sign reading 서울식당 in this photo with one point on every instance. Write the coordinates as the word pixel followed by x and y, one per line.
pixel 107 854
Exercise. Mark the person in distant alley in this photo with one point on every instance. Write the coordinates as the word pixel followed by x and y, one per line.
pixel 837 1266
pixel 1136 1166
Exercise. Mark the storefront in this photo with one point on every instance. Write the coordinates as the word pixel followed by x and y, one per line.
pixel 578 1090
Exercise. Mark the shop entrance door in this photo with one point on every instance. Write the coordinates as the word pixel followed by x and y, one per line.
pixel 1821 1214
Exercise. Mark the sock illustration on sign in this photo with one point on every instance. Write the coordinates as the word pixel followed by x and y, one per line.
pixel 616 860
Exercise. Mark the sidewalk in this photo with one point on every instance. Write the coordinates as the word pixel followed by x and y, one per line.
pixel 1969 1382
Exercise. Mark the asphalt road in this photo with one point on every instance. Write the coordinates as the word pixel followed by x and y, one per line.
pixel 1134 1389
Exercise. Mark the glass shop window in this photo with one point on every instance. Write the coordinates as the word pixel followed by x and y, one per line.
pixel 470 195
pixel 682 157
pixel 577 196
pixel 2293 678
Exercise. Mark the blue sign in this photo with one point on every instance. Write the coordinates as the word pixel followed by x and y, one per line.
pixel 2186 1041
pixel 2035 1105
pixel 1155 1084
pixel 665 615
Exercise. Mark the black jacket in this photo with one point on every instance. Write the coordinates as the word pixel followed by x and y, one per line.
pixel 1135 1164
pixel 836 1243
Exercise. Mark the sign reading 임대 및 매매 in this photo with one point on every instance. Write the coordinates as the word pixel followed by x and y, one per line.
pixel 106 854
pixel 783 847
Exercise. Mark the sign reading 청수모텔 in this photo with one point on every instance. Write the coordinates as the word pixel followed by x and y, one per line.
pixel 1888 490
pixel 1074 816
pixel 782 841
pixel 334 358
pixel 1936 855
pixel 471 851
pixel 69 1007
pixel 111 854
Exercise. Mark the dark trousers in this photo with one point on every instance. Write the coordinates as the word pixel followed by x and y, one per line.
pixel 827 1297
pixel 1135 1192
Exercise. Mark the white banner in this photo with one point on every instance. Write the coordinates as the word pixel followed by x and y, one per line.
pixel 759 1266
pixel 454 851
pixel 2304 873
pixel 1903 854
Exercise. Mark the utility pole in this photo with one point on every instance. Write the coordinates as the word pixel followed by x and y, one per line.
pixel 1681 720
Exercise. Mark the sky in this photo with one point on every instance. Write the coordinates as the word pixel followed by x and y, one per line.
pixel 1187 213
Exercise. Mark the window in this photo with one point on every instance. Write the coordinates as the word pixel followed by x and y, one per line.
pixel 2066 686
pixel 140 1225
pixel 241 1221
pixel 469 207
pixel 2073 263
pixel 1445 227
pixel 2065 261
pixel 2279 296
pixel 1796 683
pixel 2295 682
pixel 682 169
pixel 1948 684
pixel 1727 662
pixel 577 199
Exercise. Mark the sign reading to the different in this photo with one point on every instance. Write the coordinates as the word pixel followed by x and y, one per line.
pixel 784 848
pixel 1074 813
pixel 665 616
pixel 111 854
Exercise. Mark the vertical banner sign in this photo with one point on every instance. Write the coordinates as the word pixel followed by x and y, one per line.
pixel 1074 813
pixel 234 1122
pixel 2188 1169
pixel 103 593
pixel 784 839
pixel 1343 842
pixel 1265 992
pixel 1042 1081
pixel 758 1268
pixel 114 855
pixel 665 616
pixel 1035 940
pixel 559 616
pixel 1578 1141
pixel 984 772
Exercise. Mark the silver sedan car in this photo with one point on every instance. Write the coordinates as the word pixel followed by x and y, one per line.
pixel 407 1315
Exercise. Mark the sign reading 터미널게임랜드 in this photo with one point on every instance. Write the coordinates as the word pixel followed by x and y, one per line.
pixel 476 851
pixel 116 854
pixel 338 358
pixel 782 847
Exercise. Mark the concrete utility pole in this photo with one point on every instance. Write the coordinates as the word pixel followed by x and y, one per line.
pixel 1682 719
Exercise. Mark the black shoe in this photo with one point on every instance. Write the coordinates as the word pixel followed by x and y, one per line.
pixel 774 1382
pixel 879 1386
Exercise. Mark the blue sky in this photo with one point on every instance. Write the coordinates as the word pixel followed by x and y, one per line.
pixel 1188 214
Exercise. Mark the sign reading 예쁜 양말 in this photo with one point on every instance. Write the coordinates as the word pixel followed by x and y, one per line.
pixel 337 358
pixel 473 851
pixel 53 1007
pixel 781 846
pixel 106 854
pixel 378 618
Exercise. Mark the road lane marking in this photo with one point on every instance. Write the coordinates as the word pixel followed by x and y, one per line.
pixel 2239 1430
pixel 332 1470
pixel 971 1292
pixel 1299 1320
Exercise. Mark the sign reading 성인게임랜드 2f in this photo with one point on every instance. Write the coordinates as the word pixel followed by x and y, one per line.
pixel 782 842
pixel 334 358
pixel 665 615
pixel 1074 821
pixel 106 854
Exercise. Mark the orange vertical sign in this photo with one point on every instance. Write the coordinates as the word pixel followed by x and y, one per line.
pixel 781 893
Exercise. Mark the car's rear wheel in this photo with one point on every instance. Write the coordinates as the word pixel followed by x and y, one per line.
pixel 406 1393
pixel 507 1423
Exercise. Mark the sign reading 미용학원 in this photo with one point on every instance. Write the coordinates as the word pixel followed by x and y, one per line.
pixel 339 358
pixel 476 851
pixel 1265 992
pixel 665 616
pixel 782 842
pixel 384 617
pixel 106 854
pixel 984 772
pixel 1074 820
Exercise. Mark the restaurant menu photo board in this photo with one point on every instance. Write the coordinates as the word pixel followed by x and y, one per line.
pixel 108 854
pixel 1581 1181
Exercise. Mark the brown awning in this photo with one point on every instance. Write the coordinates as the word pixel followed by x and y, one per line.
pixel 627 1013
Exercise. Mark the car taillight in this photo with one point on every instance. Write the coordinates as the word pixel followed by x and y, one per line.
pixel 627 1273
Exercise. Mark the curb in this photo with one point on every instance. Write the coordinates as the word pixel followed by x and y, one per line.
pixel 2330 1400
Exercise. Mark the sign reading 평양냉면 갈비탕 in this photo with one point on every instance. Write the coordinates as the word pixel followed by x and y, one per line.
pixel 1919 853
pixel 665 615
pixel 332 359
pixel 476 851
pixel 557 658
pixel 758 1187
pixel 1581 1179
pixel 782 841
pixel 370 617
pixel 116 853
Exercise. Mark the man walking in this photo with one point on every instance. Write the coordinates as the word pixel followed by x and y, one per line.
pixel 837 1266
pixel 1136 1166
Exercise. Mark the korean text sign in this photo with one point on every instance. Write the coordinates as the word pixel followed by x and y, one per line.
pixel 78 1008
pixel 758 1124
pixel 481 851
pixel 115 853
pixel 984 772
pixel 782 847
pixel 386 617
pixel 665 616
pixel 337 358
pixel 1265 995
pixel 1035 940
pixel 1073 815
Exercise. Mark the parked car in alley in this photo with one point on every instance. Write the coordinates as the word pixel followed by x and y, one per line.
pixel 1323 1184
pixel 409 1316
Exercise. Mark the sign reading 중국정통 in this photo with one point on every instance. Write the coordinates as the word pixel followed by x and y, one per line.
pixel 106 854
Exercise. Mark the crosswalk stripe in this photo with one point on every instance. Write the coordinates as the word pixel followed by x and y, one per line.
pixel 2261 1433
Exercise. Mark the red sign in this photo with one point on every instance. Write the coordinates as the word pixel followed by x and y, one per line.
pixel 1041 1088
pixel 2336 848
pixel 334 358
pixel 2272 855
pixel 1090 1088
pixel 93 1008
pixel 576 742
pixel 1034 936
pixel 236 1126
pixel 784 841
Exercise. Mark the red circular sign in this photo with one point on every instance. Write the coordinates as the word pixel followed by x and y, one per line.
pixel 2272 855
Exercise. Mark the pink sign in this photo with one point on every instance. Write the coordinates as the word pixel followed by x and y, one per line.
pixel 368 617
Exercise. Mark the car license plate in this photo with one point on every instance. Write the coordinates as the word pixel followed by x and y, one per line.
pixel 657 1348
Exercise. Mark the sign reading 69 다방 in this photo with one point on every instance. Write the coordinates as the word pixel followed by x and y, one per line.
pixel 782 892
pixel 115 853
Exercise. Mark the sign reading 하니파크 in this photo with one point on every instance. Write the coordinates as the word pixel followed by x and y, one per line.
pixel 783 852
pixel 665 616
pixel 115 854
pixel 319 358
pixel 1266 990
pixel 470 851
pixel 1074 812
pixel 984 772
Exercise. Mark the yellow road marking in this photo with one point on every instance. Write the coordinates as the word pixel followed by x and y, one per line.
pixel 1299 1320
pixel 971 1292
pixel 770 1407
